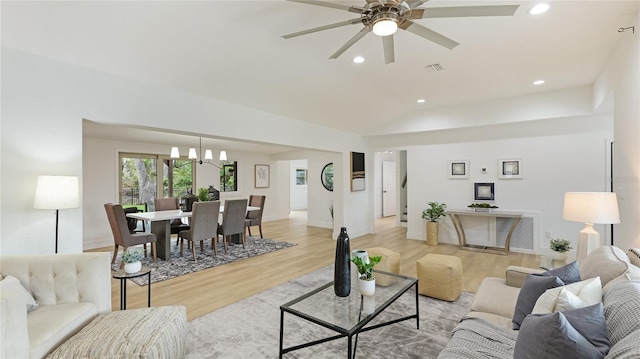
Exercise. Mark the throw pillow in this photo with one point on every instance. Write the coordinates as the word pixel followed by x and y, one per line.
pixel 634 256
pixel 532 288
pixel 571 296
pixel 606 262
pixel 580 333
pixel 12 283
pixel 569 273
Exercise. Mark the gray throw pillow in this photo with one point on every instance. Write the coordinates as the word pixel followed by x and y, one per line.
pixel 569 273
pixel 531 290
pixel 579 333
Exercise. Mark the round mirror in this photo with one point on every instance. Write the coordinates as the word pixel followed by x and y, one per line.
pixel 327 176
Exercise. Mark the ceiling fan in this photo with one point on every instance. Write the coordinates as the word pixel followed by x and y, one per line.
pixel 384 17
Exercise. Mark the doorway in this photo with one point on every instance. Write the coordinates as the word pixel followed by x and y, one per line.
pixel 388 188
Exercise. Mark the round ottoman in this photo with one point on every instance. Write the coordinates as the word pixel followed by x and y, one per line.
pixel 440 276
pixel 390 263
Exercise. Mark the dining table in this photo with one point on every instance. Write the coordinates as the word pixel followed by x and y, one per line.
pixel 161 226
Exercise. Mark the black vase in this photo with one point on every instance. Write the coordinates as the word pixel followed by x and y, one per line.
pixel 342 269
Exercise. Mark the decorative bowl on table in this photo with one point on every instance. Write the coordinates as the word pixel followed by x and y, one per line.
pixel 482 207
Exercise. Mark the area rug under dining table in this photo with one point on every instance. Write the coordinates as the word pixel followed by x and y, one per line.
pixel 182 265
pixel 250 328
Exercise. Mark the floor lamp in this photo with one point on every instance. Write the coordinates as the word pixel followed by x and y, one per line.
pixel 590 208
pixel 57 192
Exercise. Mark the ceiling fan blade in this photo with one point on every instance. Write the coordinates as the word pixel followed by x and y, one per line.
pixel 323 3
pixel 415 3
pixel 387 44
pixel 365 30
pixel 325 27
pixel 428 34
pixel 464 11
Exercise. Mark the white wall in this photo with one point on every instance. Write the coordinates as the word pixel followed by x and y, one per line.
pixel 298 192
pixel 552 165
pixel 44 103
pixel 621 80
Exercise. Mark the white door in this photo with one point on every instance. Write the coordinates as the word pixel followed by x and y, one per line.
pixel 388 188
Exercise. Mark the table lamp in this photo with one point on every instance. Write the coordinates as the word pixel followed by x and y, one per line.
pixel 57 192
pixel 590 208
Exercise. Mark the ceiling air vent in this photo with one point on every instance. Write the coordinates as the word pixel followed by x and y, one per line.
pixel 435 67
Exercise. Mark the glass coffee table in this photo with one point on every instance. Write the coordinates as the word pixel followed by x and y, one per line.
pixel 348 316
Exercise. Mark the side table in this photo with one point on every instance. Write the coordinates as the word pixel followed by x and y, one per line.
pixel 123 276
pixel 548 263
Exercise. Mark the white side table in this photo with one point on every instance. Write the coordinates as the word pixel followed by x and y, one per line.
pixel 548 263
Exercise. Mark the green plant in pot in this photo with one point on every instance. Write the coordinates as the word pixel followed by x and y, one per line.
pixel 559 248
pixel 366 281
pixel 131 259
pixel 432 214
pixel 203 194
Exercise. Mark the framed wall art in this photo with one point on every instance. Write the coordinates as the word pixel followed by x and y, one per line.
pixel 357 171
pixel 458 169
pixel 483 192
pixel 262 176
pixel 510 168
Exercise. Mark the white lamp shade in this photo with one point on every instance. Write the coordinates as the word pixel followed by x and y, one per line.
pixel 223 155
pixel 591 207
pixel 208 155
pixel 385 27
pixel 175 153
pixel 57 192
pixel 192 154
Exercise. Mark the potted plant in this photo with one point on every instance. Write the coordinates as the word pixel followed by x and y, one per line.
pixel 131 259
pixel 559 248
pixel 203 194
pixel 366 281
pixel 432 215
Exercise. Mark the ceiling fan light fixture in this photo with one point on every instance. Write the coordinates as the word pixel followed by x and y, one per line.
pixel 385 25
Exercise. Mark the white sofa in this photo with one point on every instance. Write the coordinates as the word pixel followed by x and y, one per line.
pixel 70 290
pixel 487 330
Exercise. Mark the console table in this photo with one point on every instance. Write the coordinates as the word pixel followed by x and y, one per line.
pixel 491 216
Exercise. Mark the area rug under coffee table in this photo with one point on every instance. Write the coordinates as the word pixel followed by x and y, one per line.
pixel 251 328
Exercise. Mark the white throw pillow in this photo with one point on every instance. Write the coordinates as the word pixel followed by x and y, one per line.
pixel 572 296
pixel 12 283
pixel 634 256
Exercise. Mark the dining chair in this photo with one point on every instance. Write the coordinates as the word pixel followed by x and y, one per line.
pixel 254 218
pixel 233 221
pixel 122 237
pixel 132 222
pixel 204 225
pixel 167 204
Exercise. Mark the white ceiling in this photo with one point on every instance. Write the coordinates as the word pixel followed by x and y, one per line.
pixel 233 50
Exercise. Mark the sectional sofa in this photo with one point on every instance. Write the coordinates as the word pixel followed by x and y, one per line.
pixel 596 315
pixel 46 299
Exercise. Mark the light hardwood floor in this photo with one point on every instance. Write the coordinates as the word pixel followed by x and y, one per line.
pixel 205 291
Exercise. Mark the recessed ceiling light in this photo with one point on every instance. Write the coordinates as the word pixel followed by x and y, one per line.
pixel 538 82
pixel 358 59
pixel 539 9
pixel 421 100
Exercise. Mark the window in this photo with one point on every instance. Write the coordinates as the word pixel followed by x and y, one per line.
pixel 301 176
pixel 228 176
pixel 141 181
